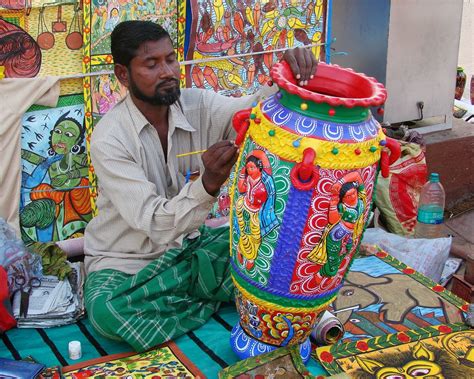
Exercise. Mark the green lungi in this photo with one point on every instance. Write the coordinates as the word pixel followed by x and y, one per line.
pixel 174 294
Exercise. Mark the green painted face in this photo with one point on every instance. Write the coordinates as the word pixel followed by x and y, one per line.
pixel 64 136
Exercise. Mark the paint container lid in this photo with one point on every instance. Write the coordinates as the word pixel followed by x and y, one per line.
pixel 75 350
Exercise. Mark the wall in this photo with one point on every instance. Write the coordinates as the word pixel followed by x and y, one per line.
pixel 466 47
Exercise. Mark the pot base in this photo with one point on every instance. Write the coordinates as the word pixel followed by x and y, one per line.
pixel 246 346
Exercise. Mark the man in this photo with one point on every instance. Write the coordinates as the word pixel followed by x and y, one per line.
pixel 152 275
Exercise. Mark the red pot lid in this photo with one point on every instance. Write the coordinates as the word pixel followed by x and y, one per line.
pixel 333 85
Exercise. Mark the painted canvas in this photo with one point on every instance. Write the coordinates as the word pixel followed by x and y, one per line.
pixel 444 352
pixel 381 295
pixel 55 197
pixel 38 34
pixel 166 361
pixel 284 362
pixel 245 30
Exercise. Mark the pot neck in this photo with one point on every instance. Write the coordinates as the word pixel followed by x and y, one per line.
pixel 322 111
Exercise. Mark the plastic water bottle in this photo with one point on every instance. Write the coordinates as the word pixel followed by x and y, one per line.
pixel 430 219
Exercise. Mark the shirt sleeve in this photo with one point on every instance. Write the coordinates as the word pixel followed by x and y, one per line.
pixel 123 181
pixel 216 111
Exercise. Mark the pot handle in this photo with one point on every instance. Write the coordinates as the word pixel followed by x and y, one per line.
pixel 385 159
pixel 304 175
pixel 241 123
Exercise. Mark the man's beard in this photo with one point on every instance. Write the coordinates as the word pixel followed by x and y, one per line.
pixel 161 97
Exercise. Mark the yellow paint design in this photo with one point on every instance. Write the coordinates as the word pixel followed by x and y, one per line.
pixel 281 144
pixel 275 307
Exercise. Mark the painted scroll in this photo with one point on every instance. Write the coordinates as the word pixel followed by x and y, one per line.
pixel 55 199
pixel 226 28
pixel 37 36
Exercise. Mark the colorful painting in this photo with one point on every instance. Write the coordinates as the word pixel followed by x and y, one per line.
pixel 345 223
pixel 166 361
pixel 381 295
pixel 102 90
pixel 255 206
pixel 444 352
pixel 55 198
pixel 245 30
pixel 37 35
pixel 281 363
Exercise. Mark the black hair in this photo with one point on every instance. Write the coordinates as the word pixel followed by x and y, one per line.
pixel 345 188
pixel 128 36
pixel 258 162
pixel 64 117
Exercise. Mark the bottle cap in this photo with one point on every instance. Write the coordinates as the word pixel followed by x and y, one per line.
pixel 75 350
pixel 460 68
pixel 434 177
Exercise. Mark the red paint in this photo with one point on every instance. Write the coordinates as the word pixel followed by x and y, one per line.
pixel 402 337
pixel 331 86
pixel 362 346
pixel 326 356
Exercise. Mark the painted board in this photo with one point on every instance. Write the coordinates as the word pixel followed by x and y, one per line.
pixel 445 351
pixel 382 295
pixel 165 361
pixel 55 198
pixel 225 28
pixel 37 37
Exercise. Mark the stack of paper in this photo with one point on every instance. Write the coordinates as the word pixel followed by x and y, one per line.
pixel 54 302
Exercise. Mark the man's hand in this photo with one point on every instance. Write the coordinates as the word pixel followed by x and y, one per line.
pixel 302 62
pixel 218 161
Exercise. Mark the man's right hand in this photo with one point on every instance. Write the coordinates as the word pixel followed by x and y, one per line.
pixel 218 161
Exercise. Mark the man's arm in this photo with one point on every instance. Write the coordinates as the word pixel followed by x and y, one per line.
pixel 137 200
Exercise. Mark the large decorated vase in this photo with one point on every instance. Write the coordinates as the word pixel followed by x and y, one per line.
pixel 301 196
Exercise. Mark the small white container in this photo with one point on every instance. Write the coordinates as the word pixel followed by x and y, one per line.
pixel 75 351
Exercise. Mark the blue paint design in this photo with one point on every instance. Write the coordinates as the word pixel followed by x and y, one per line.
pixel 246 346
pixel 289 240
pixel 306 126
pixel 373 266
pixel 291 332
pixel 286 294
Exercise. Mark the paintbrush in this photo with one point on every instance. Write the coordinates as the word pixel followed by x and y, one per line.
pixel 190 153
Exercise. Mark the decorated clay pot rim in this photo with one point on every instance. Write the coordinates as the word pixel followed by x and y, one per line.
pixel 335 79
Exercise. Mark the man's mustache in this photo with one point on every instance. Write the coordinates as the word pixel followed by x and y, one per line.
pixel 167 83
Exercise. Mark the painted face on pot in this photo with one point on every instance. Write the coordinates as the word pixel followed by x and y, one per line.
pixel 252 170
pixel 154 73
pixel 350 198
pixel 64 136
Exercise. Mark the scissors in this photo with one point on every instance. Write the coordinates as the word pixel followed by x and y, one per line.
pixel 25 289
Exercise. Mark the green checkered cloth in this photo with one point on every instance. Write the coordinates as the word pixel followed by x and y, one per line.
pixel 174 294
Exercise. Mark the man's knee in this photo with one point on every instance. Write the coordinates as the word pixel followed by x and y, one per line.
pixel 101 317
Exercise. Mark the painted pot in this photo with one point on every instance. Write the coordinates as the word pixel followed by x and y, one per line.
pixel 300 200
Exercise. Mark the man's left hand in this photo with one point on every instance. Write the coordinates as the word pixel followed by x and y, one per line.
pixel 302 62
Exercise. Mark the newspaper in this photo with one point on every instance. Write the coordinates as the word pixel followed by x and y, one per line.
pixel 54 302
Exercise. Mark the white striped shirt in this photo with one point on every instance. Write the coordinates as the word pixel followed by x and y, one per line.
pixel 144 205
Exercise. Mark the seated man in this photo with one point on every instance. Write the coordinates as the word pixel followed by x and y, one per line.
pixel 152 275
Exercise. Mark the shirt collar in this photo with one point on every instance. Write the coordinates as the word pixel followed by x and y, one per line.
pixel 176 117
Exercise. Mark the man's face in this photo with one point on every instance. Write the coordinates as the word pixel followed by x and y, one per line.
pixel 154 73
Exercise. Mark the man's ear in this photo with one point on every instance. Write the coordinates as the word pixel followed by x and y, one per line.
pixel 121 72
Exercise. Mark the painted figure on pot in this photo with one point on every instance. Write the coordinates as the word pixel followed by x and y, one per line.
pixel 255 207
pixel 345 223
